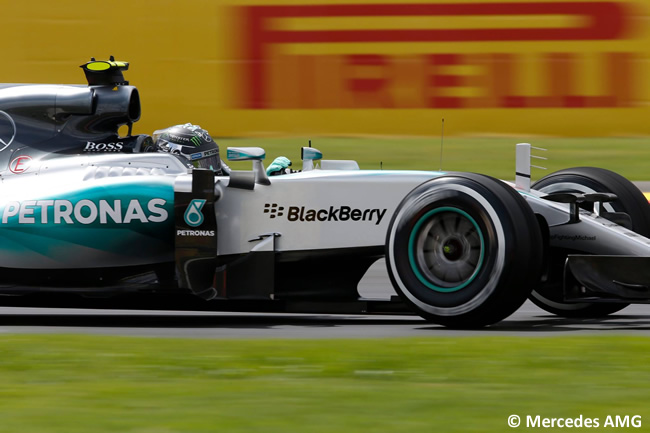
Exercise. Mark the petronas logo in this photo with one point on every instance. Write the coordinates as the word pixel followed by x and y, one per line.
pixel 193 215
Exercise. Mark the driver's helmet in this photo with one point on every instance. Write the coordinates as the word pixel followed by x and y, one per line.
pixel 191 142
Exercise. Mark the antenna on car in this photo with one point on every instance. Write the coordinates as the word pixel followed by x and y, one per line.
pixel 442 138
pixel 309 143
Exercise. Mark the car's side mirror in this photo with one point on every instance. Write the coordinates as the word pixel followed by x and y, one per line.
pixel 308 156
pixel 255 154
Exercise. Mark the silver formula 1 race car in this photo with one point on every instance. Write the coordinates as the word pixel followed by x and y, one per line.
pixel 92 218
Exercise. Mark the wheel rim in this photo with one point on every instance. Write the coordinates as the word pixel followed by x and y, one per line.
pixel 446 249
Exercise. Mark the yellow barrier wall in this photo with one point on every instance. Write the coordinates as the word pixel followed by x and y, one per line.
pixel 353 67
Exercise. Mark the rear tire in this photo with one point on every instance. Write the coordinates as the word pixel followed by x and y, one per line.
pixel 464 250
pixel 549 296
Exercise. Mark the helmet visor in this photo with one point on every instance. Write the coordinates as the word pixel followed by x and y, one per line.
pixel 207 159
pixel 169 147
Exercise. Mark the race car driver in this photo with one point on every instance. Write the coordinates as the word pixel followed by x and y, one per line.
pixel 196 145
pixel 193 143
pixel 280 165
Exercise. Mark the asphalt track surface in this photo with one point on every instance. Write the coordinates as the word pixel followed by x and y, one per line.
pixel 527 321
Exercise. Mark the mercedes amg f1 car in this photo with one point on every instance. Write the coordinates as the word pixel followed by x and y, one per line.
pixel 92 216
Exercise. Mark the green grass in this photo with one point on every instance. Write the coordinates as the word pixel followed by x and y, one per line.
pixel 494 155
pixel 120 384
